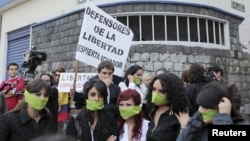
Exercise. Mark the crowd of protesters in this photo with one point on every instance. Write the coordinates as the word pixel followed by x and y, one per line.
pixel 136 107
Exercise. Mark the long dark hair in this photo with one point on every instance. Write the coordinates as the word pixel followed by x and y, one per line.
pixel 52 82
pixel 104 116
pixel 126 95
pixel 172 85
pixel 131 71
pixel 99 85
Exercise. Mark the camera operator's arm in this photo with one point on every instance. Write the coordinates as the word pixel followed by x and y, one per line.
pixel 19 88
pixel 5 87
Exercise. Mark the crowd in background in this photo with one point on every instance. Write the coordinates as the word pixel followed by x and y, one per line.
pixel 139 106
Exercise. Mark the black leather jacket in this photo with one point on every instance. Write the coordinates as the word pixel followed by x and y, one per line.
pixel 166 130
pixel 79 127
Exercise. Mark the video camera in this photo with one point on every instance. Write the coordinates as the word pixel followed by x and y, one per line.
pixel 209 74
pixel 32 59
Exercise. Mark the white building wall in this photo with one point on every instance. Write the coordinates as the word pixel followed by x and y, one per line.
pixel 32 11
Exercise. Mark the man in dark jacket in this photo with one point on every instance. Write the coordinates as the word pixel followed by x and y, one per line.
pixel 197 81
pixel 105 73
pixel 233 91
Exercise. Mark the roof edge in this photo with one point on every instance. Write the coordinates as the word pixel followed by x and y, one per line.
pixel 11 4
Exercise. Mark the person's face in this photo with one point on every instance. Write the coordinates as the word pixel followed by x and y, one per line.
pixel 57 76
pixel 138 74
pixel 126 104
pixel 94 95
pixel 46 78
pixel 41 94
pixel 157 87
pixel 202 110
pixel 13 71
pixel 105 73
pixel 218 75
pixel 147 80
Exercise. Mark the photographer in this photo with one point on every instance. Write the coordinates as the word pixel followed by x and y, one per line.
pixel 13 86
pixel 197 81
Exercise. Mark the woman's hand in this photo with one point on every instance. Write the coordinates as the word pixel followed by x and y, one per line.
pixel 225 106
pixel 183 118
pixel 111 138
pixel 130 78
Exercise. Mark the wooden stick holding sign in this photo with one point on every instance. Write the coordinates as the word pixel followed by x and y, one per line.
pixel 72 102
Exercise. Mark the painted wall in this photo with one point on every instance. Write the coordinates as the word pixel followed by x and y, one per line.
pixel 30 12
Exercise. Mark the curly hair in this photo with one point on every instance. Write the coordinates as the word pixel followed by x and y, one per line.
pixel 126 95
pixel 175 90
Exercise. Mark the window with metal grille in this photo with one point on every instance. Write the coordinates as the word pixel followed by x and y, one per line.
pixel 181 28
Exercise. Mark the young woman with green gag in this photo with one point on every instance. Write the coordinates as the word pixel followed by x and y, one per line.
pixel 131 123
pixel 132 79
pixel 97 120
pixel 31 119
pixel 166 96
pixel 215 108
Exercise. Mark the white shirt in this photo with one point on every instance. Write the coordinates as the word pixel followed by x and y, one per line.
pixel 144 129
pixel 132 85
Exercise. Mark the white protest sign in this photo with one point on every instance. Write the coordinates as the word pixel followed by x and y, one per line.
pixel 67 79
pixel 103 38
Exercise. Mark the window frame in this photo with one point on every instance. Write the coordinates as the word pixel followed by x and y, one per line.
pixel 188 43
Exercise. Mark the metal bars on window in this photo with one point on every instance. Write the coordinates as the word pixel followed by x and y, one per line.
pixel 181 28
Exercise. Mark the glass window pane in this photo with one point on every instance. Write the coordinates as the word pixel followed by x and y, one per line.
pixel 122 20
pixel 222 34
pixel 217 34
pixel 134 26
pixel 182 21
pixel 193 29
pixel 146 24
pixel 159 28
pixel 203 33
pixel 210 31
pixel 171 28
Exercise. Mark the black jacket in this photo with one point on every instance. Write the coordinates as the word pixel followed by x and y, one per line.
pixel 167 129
pixel 114 91
pixel 192 91
pixel 79 127
pixel 19 126
pixel 53 104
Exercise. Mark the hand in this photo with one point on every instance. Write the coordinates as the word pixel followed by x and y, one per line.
pixel 9 94
pixel 130 78
pixel 107 81
pixel 111 138
pixel 59 108
pixel 72 91
pixel 225 106
pixel 183 118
